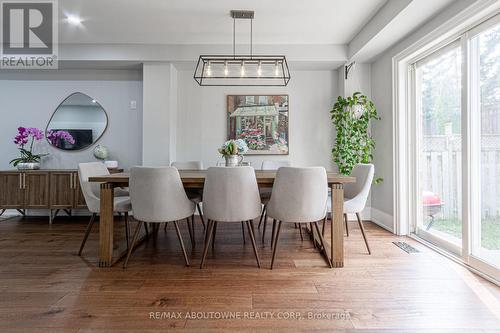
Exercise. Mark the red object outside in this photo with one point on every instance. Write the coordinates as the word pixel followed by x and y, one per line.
pixel 430 199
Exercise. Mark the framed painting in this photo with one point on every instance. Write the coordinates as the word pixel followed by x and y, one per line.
pixel 260 120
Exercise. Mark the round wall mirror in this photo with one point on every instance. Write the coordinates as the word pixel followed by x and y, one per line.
pixel 77 123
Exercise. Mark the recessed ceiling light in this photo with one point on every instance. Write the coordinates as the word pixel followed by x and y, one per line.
pixel 73 19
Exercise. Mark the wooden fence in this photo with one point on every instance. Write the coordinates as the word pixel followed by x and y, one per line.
pixel 441 173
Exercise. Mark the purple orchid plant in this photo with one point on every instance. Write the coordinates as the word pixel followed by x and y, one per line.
pixel 27 136
pixel 56 138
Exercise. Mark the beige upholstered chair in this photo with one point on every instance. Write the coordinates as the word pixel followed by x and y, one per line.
pixel 299 196
pixel 158 196
pixel 355 196
pixel 193 195
pixel 230 194
pixel 265 193
pixel 92 193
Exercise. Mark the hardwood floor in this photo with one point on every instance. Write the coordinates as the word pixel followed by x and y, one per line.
pixel 46 287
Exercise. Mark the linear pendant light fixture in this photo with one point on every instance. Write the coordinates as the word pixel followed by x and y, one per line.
pixel 242 70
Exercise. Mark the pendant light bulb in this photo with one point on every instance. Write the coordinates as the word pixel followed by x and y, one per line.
pixel 242 73
pixel 226 70
pixel 276 69
pixel 209 69
pixel 259 69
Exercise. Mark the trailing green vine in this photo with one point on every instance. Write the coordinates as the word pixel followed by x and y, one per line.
pixel 351 117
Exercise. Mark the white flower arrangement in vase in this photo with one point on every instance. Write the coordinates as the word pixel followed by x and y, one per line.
pixel 232 150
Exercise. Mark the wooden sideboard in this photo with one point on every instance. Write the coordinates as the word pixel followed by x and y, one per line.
pixel 55 190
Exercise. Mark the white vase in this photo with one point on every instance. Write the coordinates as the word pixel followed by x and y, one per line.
pixel 233 160
pixel 28 166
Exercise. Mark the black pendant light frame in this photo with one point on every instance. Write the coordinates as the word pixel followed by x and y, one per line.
pixel 203 73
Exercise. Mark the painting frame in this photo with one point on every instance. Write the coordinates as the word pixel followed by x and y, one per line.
pixel 262 120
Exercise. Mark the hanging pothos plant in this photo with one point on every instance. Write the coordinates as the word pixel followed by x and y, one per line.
pixel 351 117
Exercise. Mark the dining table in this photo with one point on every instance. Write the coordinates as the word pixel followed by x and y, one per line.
pixel 195 179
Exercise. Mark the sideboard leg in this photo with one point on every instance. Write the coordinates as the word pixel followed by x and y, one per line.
pixel 50 216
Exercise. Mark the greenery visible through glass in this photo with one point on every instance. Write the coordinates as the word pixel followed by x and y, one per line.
pixel 490 229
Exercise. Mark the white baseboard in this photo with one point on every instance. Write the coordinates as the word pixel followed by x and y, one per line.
pixel 382 219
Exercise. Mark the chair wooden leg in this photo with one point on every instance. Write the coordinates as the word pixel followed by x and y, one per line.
pixel 360 222
pixel 346 227
pixel 190 231
pixel 273 233
pixel 262 216
pixel 243 231
pixel 322 241
pixel 146 228
pixel 210 231
pixel 127 230
pixel 181 242
pixel 194 231
pixel 323 227
pixel 253 228
pixel 134 240
pixel 311 235
pixel 300 231
pixel 206 232
pixel 252 238
pixel 201 215
pixel 215 232
pixel 276 244
pixel 87 233
pixel 264 233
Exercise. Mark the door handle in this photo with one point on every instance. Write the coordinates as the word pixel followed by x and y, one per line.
pixel 24 180
pixel 71 181
pixel 20 181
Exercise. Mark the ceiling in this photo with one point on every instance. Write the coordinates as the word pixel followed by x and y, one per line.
pixel 314 35
pixel 207 22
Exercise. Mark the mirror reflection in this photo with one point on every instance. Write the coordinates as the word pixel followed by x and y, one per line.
pixel 77 123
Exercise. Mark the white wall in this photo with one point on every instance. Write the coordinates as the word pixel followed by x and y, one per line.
pixel 29 99
pixel 159 114
pixel 359 80
pixel 202 119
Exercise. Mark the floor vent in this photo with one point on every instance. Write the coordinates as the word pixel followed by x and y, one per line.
pixel 406 247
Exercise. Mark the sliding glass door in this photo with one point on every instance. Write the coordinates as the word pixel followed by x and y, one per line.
pixel 455 93
pixel 439 146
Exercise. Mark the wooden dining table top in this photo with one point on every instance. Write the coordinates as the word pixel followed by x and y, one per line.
pixel 197 177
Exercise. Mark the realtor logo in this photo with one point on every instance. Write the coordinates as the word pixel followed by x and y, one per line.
pixel 29 34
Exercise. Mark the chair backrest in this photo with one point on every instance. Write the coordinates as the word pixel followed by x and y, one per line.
pixel 274 165
pixel 231 194
pixel 364 177
pixel 299 195
pixel 157 195
pixel 188 165
pixel 91 191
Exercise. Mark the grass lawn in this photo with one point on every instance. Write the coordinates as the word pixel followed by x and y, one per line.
pixel 490 230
